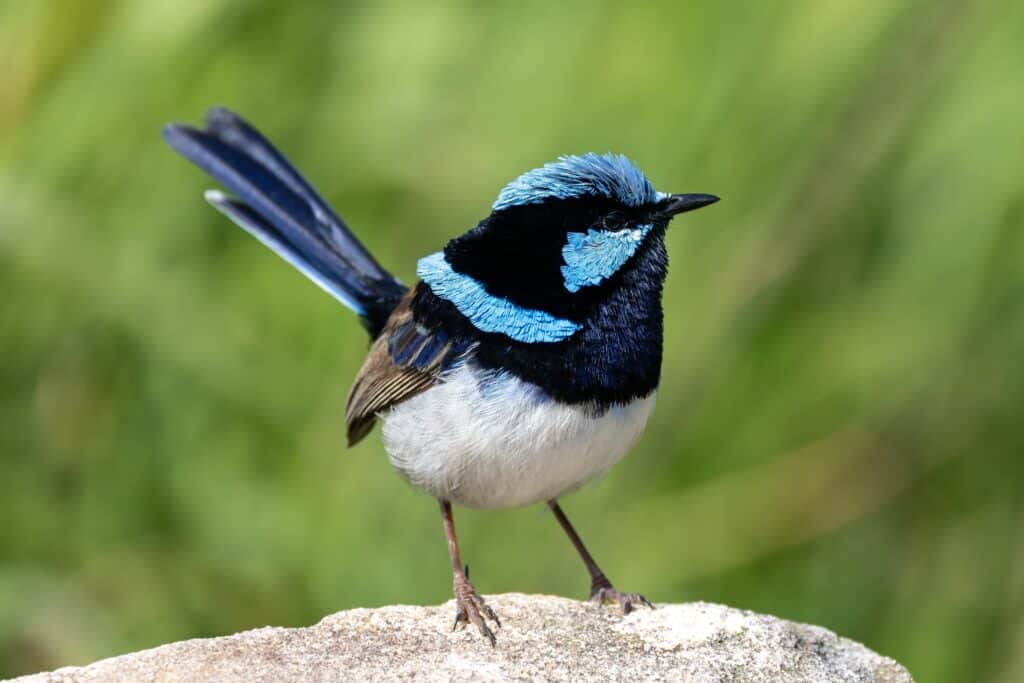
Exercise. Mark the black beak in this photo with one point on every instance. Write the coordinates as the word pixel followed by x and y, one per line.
pixel 681 203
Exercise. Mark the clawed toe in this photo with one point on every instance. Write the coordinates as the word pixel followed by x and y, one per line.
pixel 471 608
pixel 627 601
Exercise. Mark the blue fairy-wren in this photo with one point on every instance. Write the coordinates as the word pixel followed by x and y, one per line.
pixel 523 363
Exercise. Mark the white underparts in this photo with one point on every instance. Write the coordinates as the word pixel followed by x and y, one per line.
pixel 486 439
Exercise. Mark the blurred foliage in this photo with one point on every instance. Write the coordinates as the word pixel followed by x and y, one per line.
pixel 838 434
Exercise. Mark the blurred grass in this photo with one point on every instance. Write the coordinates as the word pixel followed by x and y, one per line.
pixel 838 433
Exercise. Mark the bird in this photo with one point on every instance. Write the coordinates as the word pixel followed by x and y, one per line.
pixel 525 360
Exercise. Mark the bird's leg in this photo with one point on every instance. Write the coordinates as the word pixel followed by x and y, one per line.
pixel 601 589
pixel 469 606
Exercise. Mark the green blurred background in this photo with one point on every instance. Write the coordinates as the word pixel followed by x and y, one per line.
pixel 838 434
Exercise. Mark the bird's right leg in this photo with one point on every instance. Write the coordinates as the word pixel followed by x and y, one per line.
pixel 469 606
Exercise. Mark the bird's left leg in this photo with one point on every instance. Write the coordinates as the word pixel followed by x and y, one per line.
pixel 601 589
pixel 469 606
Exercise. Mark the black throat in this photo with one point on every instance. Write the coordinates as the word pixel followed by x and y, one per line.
pixel 614 359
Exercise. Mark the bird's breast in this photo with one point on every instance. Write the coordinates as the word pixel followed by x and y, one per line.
pixel 486 439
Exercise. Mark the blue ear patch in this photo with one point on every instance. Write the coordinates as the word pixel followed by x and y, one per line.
pixel 487 312
pixel 596 255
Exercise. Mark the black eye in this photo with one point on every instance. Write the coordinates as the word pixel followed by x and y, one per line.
pixel 614 220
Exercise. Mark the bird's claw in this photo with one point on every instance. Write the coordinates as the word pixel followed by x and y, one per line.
pixel 601 594
pixel 471 608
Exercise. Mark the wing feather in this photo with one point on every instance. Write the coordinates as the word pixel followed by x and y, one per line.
pixel 405 360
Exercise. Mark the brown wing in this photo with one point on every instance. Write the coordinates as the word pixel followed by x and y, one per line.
pixel 405 360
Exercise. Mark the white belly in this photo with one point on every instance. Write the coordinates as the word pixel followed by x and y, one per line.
pixel 488 440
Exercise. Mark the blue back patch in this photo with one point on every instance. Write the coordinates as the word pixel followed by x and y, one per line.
pixel 487 312
pixel 608 175
pixel 595 255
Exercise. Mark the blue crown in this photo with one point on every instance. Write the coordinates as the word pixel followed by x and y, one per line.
pixel 609 175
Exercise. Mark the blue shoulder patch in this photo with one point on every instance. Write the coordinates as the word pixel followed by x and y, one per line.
pixel 595 255
pixel 410 345
pixel 608 175
pixel 487 312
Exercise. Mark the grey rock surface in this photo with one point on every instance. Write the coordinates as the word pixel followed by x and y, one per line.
pixel 544 638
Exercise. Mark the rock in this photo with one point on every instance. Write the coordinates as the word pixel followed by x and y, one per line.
pixel 543 638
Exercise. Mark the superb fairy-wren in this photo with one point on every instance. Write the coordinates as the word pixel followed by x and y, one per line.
pixel 525 361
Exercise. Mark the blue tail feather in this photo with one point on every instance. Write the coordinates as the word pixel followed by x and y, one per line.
pixel 277 206
pixel 253 223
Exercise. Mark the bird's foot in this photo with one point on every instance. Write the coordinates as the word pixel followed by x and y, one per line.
pixel 603 591
pixel 470 607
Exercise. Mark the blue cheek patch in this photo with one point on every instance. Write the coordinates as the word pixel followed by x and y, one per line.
pixel 487 312
pixel 596 255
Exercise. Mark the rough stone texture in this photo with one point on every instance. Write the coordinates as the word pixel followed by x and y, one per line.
pixel 543 638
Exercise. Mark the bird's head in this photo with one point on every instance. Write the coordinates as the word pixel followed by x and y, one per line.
pixel 562 238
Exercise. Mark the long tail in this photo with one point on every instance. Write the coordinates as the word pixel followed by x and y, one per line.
pixel 278 207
